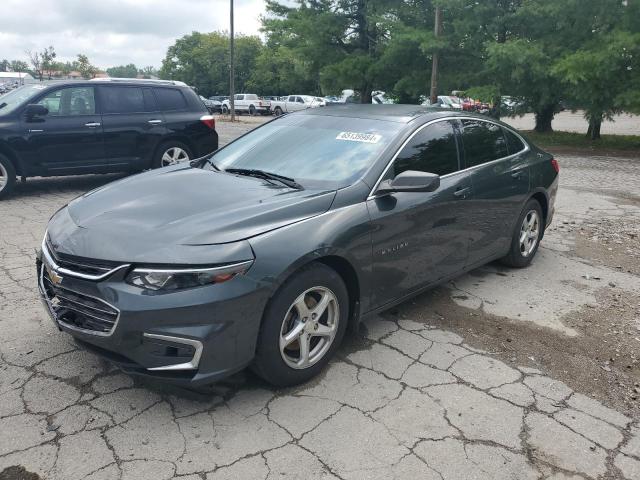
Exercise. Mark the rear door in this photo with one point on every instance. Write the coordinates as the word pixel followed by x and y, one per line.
pixel 132 123
pixel 420 238
pixel 69 139
pixel 500 180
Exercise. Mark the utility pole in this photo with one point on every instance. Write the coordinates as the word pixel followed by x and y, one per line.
pixel 232 69
pixel 434 64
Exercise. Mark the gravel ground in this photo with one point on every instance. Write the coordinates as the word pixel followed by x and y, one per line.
pixel 501 374
pixel 623 124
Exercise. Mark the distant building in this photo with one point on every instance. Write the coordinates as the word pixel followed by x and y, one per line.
pixel 15 77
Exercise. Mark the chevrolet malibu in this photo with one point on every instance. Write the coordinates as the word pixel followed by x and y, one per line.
pixel 264 253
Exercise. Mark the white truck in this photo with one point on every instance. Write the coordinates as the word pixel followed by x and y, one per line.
pixel 294 103
pixel 248 103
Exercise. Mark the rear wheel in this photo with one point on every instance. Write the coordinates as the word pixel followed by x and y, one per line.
pixel 252 110
pixel 171 153
pixel 526 238
pixel 7 176
pixel 278 111
pixel 302 326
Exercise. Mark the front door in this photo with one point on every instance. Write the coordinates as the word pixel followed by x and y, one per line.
pixel 420 238
pixel 69 139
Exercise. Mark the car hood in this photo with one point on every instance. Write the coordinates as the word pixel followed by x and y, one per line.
pixel 191 206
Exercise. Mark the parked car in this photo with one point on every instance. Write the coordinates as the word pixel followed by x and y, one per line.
pixel 294 103
pixel 248 103
pixel 76 127
pixel 213 106
pixel 250 257
pixel 446 101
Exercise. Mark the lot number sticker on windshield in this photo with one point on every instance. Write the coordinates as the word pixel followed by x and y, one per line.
pixel 359 137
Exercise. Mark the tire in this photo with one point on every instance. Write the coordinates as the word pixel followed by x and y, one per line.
pixel 171 153
pixel 526 237
pixel 7 177
pixel 282 364
pixel 252 110
pixel 278 111
pixel 224 109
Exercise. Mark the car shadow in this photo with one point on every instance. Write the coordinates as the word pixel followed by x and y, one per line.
pixel 37 186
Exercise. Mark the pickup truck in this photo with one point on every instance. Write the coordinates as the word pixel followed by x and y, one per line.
pixel 248 103
pixel 293 103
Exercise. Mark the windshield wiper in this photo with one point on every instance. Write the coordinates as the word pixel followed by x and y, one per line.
pixel 250 172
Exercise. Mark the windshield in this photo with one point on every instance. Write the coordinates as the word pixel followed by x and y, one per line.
pixel 12 100
pixel 320 150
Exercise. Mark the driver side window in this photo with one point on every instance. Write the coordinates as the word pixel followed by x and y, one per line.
pixel 70 102
pixel 433 149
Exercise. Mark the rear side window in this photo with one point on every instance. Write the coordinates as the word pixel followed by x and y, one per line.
pixel 122 100
pixel 433 149
pixel 170 99
pixel 483 142
pixel 251 97
pixel 514 144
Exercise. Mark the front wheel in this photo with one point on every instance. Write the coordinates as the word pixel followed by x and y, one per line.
pixel 225 109
pixel 302 326
pixel 252 110
pixel 7 176
pixel 278 111
pixel 527 236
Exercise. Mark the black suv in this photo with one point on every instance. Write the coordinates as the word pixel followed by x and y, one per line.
pixel 71 128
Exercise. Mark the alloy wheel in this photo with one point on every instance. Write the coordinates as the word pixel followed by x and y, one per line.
pixel 309 327
pixel 4 177
pixel 173 156
pixel 529 233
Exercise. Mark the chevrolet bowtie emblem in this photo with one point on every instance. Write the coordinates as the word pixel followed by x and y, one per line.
pixel 54 277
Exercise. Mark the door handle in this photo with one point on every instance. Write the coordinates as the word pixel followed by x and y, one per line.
pixel 517 174
pixel 154 122
pixel 462 192
pixel 35 130
pixel 92 124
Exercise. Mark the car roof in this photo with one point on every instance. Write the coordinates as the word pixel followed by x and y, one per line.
pixel 391 113
pixel 90 83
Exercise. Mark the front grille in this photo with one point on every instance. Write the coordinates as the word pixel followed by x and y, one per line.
pixel 78 264
pixel 78 310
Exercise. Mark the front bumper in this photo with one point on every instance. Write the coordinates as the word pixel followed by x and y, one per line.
pixel 190 337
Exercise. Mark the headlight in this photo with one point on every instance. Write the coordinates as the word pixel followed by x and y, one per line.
pixel 177 279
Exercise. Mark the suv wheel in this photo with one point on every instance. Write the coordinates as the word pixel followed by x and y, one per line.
pixel 278 111
pixel 252 110
pixel 225 109
pixel 171 153
pixel 7 176
pixel 302 326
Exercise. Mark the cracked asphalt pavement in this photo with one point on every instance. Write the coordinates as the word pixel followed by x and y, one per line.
pixel 501 374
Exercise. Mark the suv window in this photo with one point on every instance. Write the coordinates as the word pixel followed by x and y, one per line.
pixel 299 99
pixel 251 97
pixel 121 99
pixel 239 97
pixel 433 149
pixel 292 98
pixel 483 142
pixel 70 101
pixel 514 144
pixel 170 99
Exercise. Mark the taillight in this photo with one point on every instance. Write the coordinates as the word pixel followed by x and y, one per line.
pixel 555 165
pixel 209 121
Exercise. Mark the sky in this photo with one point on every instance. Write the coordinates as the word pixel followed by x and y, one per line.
pixel 115 32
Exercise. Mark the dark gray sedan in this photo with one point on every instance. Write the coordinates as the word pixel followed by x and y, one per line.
pixel 263 253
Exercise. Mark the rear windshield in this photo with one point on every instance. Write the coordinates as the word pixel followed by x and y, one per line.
pixel 312 149
pixel 13 99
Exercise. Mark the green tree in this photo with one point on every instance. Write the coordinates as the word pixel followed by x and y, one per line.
pixel 341 41
pixel 148 72
pixel 85 68
pixel 4 65
pixel 18 66
pixel 123 71
pixel 202 61
pixel 42 62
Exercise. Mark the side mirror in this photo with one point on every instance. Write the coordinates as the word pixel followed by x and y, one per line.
pixel 35 110
pixel 411 181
